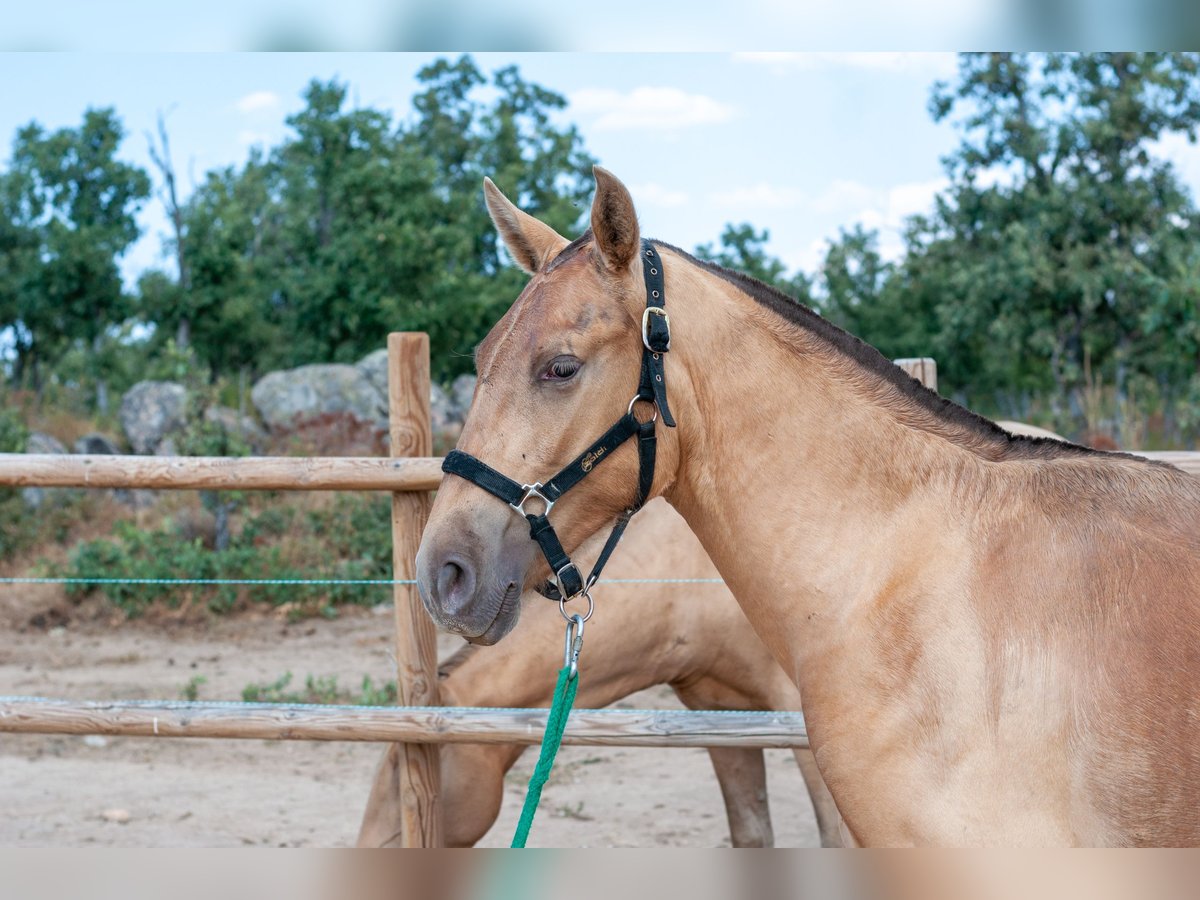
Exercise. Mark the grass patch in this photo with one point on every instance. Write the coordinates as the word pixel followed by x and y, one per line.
pixel 322 690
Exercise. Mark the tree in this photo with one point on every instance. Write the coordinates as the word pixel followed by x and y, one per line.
pixel 69 214
pixel 355 226
pixel 1063 251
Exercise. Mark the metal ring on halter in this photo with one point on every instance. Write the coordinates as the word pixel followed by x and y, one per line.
pixel 636 398
pixel 531 491
pixel 563 601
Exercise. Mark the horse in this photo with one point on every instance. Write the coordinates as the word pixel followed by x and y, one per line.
pixel 996 638
pixel 692 637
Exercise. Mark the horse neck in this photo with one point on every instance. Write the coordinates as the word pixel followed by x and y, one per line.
pixel 797 466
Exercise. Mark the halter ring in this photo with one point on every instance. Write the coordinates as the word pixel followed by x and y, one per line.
pixel 636 398
pixel 563 601
pixel 533 490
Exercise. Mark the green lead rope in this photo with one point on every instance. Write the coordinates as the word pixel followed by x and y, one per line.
pixel 564 697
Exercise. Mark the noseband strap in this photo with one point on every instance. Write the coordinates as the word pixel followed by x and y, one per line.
pixel 652 388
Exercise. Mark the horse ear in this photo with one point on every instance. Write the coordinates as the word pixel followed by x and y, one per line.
pixel 614 221
pixel 531 243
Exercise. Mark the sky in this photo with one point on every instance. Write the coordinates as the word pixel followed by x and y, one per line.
pixel 802 144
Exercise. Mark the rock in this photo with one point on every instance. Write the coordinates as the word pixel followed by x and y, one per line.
pixel 461 392
pixel 374 367
pixel 150 410
pixel 96 445
pixel 243 426
pixel 116 816
pixel 286 397
pixel 441 411
pixel 39 442
pixel 443 417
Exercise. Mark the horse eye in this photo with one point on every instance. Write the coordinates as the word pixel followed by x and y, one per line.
pixel 561 368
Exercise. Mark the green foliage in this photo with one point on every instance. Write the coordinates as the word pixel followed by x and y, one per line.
pixel 351 539
pixel 321 690
pixel 191 690
pixel 355 226
pixel 67 207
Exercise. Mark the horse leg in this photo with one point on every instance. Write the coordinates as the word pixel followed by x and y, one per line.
pixel 829 820
pixel 742 775
pixel 381 824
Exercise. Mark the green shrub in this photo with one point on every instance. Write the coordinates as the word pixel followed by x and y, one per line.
pixel 351 540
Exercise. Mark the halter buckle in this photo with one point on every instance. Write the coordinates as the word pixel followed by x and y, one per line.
pixel 558 581
pixel 532 490
pixel 658 311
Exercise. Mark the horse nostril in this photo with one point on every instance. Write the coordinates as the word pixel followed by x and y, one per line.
pixel 455 586
pixel 448 577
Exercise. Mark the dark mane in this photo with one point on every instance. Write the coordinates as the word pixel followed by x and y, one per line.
pixel 456 659
pixel 992 435
pixel 569 251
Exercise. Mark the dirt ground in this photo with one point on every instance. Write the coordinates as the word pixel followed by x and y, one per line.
pixel 134 792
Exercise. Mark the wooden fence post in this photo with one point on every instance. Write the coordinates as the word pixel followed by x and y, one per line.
pixel 922 368
pixel 403 809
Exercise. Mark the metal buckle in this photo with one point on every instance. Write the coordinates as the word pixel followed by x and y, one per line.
pixel 533 490
pixel 558 579
pixel 658 311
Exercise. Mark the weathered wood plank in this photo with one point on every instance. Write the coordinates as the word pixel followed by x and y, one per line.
pixel 252 473
pixel 922 368
pixel 1187 460
pixel 418 767
pixel 426 724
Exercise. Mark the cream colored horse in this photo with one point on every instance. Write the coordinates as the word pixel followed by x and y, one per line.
pixel 692 637
pixel 997 639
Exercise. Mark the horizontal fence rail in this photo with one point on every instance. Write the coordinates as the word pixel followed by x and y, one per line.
pixel 423 724
pixel 277 473
pixel 219 473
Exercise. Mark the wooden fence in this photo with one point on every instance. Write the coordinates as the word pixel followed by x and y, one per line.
pixel 418 724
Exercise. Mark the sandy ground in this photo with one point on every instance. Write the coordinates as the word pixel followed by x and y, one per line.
pixel 74 791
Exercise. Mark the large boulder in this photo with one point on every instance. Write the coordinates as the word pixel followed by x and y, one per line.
pixel 241 425
pixel 96 445
pixel 461 393
pixel 38 442
pixel 445 414
pixel 286 398
pixel 374 367
pixel 152 410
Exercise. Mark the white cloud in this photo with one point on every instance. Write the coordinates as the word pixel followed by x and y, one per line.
pixel 654 194
pixel 661 108
pixel 758 196
pixel 257 101
pixel 842 195
pixel 937 64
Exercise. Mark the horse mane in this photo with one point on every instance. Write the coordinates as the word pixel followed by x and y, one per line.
pixel 988 438
pixel 456 660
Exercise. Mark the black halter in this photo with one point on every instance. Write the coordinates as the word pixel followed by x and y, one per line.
pixel 652 388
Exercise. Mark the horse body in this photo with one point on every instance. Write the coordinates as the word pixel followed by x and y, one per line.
pixel 997 638
pixel 991 619
pixel 692 637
